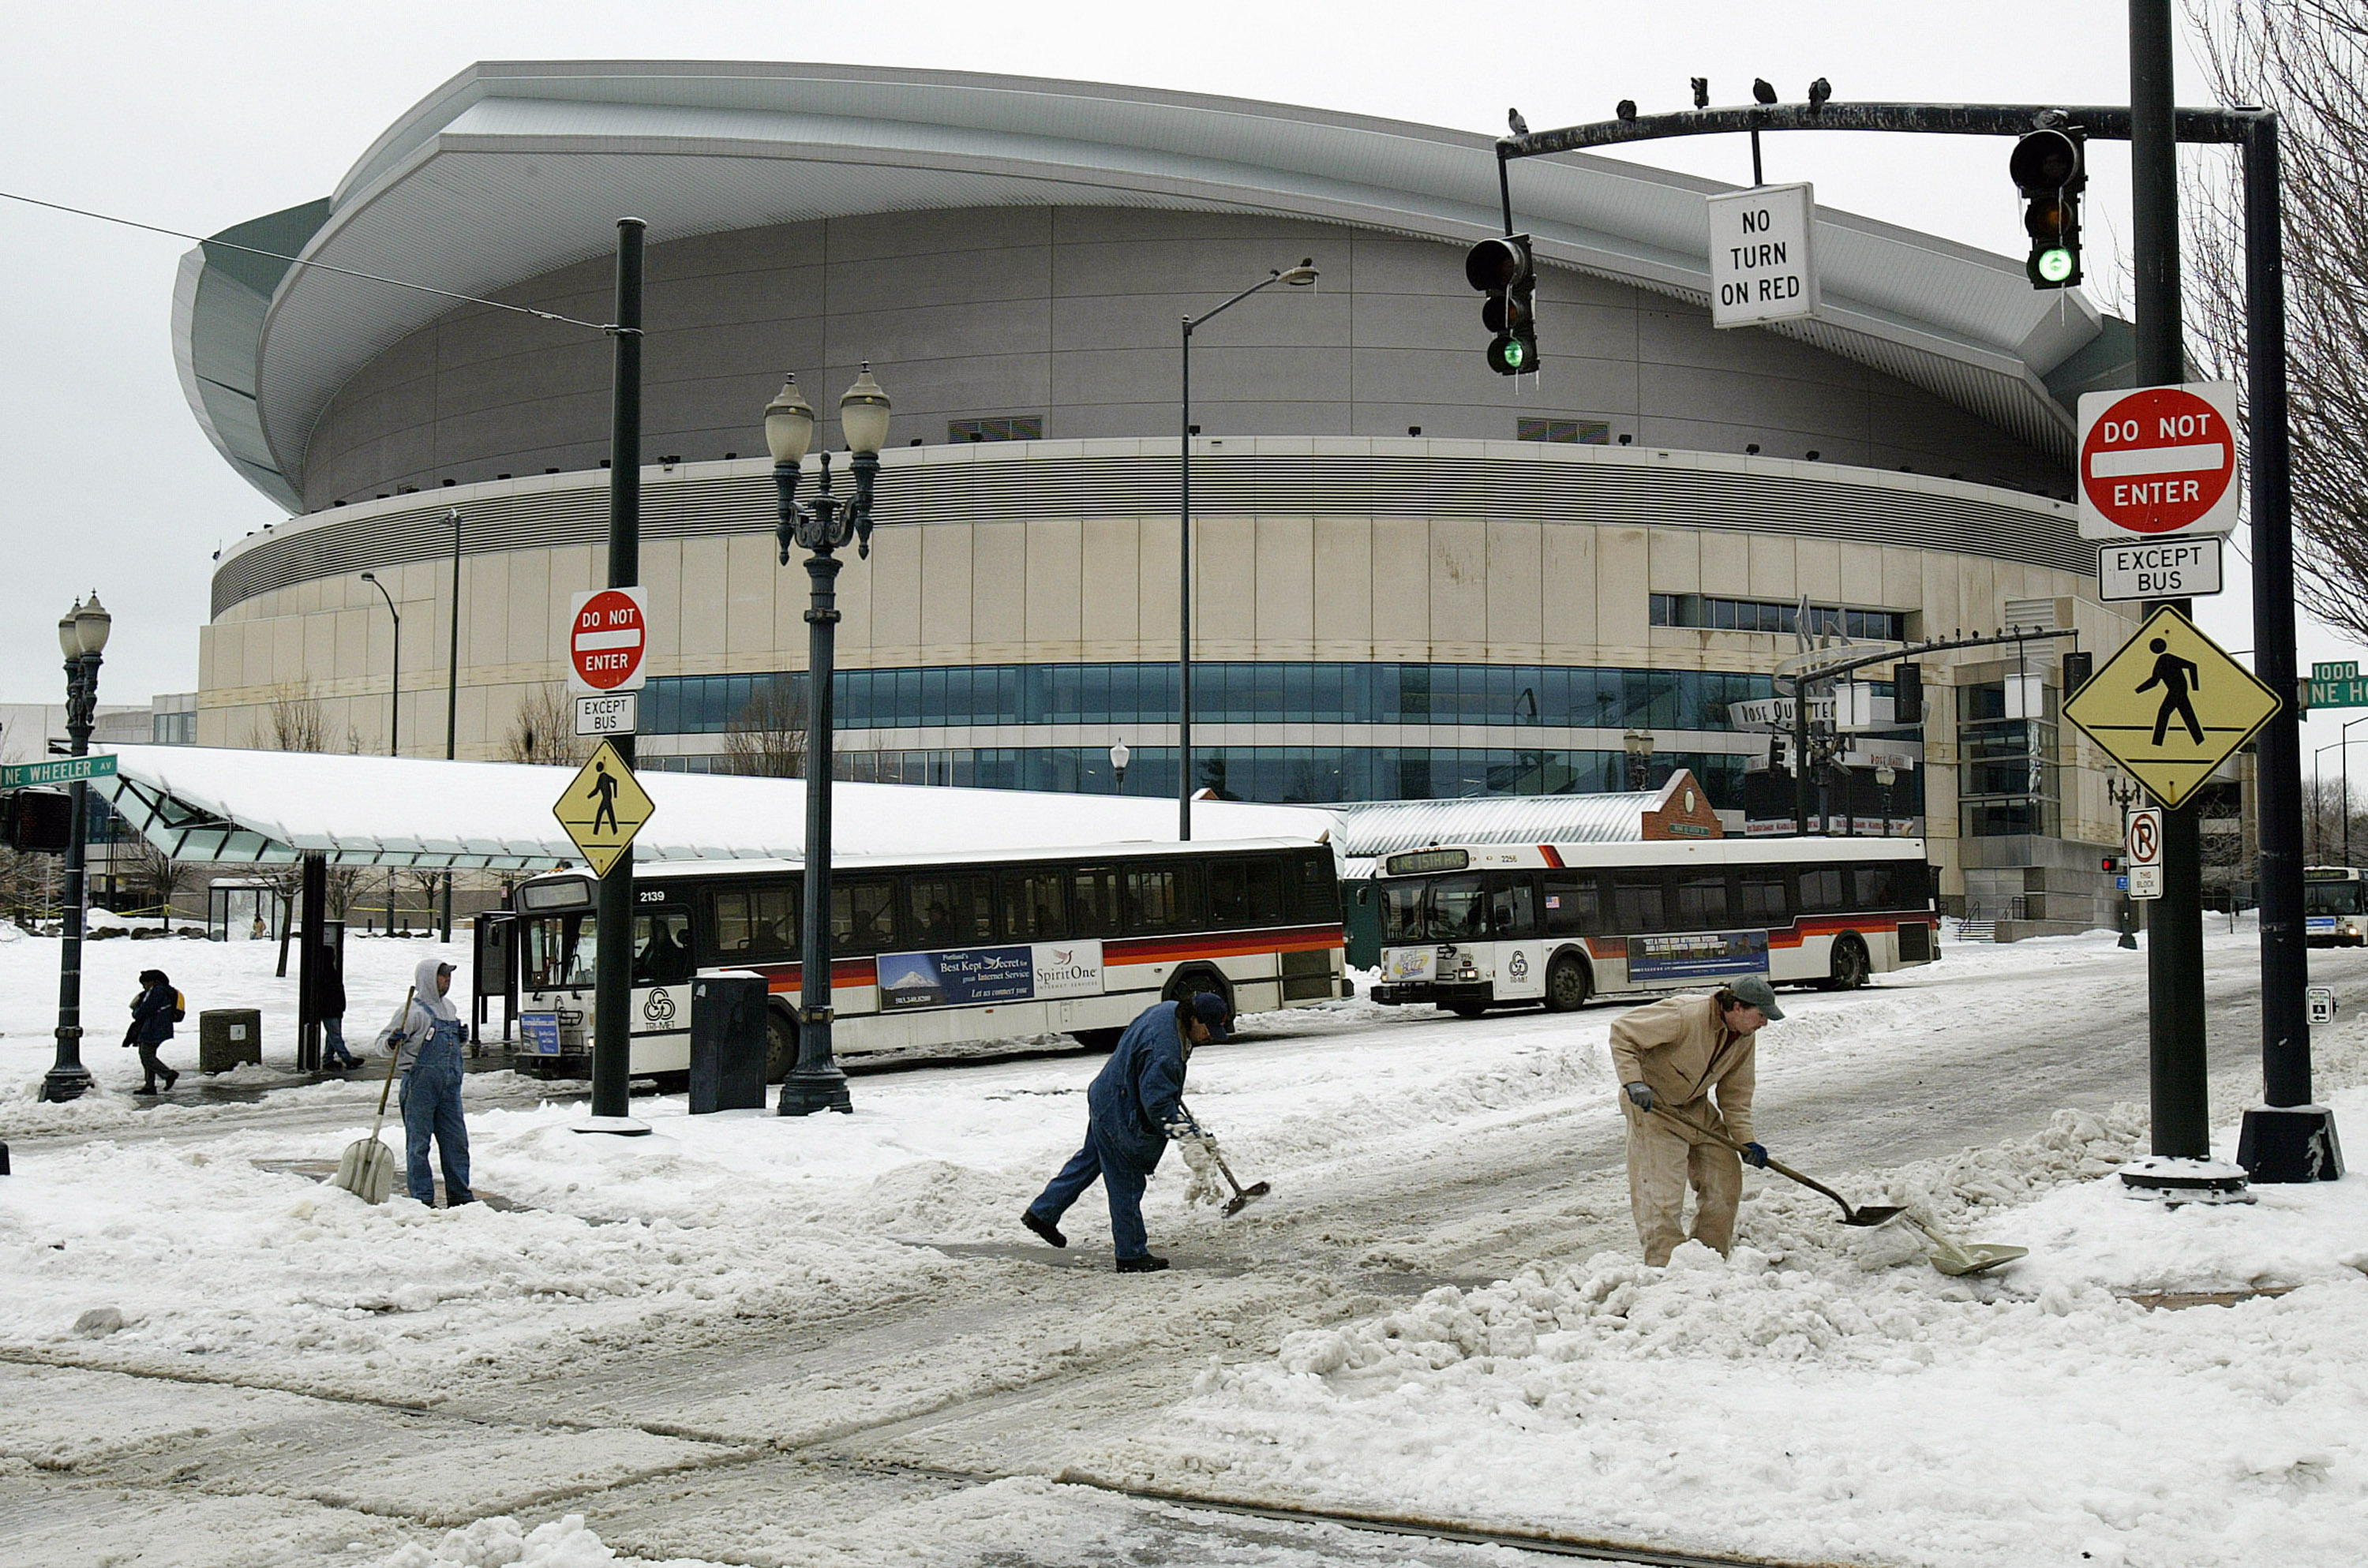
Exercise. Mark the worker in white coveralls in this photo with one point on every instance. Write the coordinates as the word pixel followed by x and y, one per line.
pixel 1676 1055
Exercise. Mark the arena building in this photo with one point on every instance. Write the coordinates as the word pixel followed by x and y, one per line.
pixel 1413 579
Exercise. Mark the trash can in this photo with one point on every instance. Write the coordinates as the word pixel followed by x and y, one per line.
pixel 727 1043
pixel 228 1038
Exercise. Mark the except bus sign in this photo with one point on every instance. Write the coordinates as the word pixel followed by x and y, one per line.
pixel 607 633
pixel 2159 460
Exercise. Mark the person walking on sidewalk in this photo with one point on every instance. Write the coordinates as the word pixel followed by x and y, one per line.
pixel 427 1035
pixel 1674 1054
pixel 1135 1108
pixel 154 1013
pixel 329 992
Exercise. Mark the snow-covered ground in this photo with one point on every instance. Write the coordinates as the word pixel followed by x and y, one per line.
pixel 1823 1395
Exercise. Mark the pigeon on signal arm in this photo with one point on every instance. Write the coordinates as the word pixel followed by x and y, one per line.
pixel 1513 117
pixel 1701 92
pixel 1627 109
pixel 1819 91
pixel 1761 92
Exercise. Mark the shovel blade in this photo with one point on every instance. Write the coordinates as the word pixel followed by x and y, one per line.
pixel 367 1170
pixel 1246 1197
pixel 1975 1257
pixel 1872 1214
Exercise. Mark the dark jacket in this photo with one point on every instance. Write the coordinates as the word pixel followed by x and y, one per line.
pixel 329 988
pixel 1137 1101
pixel 151 1015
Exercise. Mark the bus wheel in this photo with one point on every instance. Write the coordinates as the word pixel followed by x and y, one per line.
pixel 1850 965
pixel 1467 1009
pixel 1194 982
pixel 1102 1040
pixel 1566 986
pixel 780 1045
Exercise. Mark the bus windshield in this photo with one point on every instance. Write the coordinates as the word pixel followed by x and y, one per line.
pixel 558 952
pixel 2331 897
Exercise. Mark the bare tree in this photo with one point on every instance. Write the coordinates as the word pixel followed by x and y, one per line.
pixel 543 730
pixel 2308 61
pixel 768 739
pixel 153 875
pixel 294 721
pixel 24 886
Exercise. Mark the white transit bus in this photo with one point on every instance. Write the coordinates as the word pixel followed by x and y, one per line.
pixel 941 950
pixel 1473 926
pixel 2333 913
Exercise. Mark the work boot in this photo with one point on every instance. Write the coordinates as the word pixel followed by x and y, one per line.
pixel 147 1088
pixel 1147 1264
pixel 171 1078
pixel 1044 1227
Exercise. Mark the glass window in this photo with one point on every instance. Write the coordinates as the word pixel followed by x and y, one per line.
pixel 558 954
pixel 863 916
pixel 1873 886
pixel 1154 898
pixel 1821 889
pixel 1246 892
pixel 1315 890
pixel 755 923
pixel 1402 912
pixel 1093 907
pixel 1032 906
pixel 662 948
pixel 1459 910
pixel 1636 902
pixel 948 909
pixel 1702 900
pixel 1513 907
pixel 1124 683
pixel 1759 895
pixel 1572 906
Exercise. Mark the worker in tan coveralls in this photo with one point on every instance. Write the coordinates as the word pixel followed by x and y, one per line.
pixel 1676 1053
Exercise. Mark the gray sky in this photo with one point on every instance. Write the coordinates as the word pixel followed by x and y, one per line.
pixel 198 118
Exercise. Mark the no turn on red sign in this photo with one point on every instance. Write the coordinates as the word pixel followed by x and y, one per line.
pixel 607 633
pixel 2159 461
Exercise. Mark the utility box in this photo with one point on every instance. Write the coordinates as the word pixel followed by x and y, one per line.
pixel 727 1043
pixel 228 1038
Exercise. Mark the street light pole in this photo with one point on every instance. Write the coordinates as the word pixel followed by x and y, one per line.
pixel 2125 796
pixel 1638 744
pixel 82 635
pixel 1298 278
pixel 822 528
pixel 394 681
pixel 452 696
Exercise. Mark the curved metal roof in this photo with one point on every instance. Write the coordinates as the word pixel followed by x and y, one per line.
pixel 512 169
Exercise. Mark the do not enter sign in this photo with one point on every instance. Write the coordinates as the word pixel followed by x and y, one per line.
pixel 607 631
pixel 2157 461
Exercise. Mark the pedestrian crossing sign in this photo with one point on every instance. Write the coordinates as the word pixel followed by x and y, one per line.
pixel 603 806
pixel 2171 707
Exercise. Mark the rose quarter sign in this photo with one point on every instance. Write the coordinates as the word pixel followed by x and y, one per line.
pixel 2159 461
pixel 608 633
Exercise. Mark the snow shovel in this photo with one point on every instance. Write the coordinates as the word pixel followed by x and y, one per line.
pixel 1872 1214
pixel 1952 1256
pixel 366 1167
pixel 1243 1196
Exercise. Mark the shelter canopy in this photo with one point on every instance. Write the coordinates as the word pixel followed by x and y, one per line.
pixel 203 804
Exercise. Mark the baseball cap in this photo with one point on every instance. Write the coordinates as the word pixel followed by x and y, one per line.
pixel 1210 1008
pixel 1754 992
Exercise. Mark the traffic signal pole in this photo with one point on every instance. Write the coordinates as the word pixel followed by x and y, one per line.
pixel 2289 1139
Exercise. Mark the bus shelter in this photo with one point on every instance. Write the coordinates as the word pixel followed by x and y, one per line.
pixel 246 909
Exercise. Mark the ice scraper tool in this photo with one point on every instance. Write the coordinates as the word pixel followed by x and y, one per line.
pixel 366 1167
pixel 1872 1214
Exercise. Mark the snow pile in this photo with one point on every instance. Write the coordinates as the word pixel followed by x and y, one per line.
pixel 1808 1399
pixel 503 1543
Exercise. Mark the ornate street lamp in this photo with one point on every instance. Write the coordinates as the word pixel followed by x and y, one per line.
pixel 82 636
pixel 1638 744
pixel 1885 777
pixel 821 527
pixel 1298 276
pixel 1119 754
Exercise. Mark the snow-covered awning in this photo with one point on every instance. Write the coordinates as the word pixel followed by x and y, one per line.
pixel 262 807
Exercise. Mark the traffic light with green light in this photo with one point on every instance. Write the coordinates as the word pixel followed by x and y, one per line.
pixel 1501 267
pixel 2047 167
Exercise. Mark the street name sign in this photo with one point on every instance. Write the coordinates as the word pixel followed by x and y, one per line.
pixel 2336 684
pixel 2178 568
pixel 2143 845
pixel 2157 461
pixel 602 808
pixel 65 770
pixel 1761 265
pixel 2171 706
pixel 610 713
pixel 608 633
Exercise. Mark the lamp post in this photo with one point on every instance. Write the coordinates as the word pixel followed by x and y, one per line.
pixel 1638 744
pixel 1119 754
pixel 2125 796
pixel 2346 785
pixel 1885 777
pixel 452 698
pixel 821 527
pixel 1299 277
pixel 82 636
pixel 394 675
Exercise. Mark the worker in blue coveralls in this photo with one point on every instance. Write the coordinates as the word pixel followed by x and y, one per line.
pixel 1134 1111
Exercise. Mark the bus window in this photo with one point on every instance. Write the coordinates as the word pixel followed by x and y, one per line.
pixel 1458 911
pixel 1513 907
pixel 1702 900
pixel 863 916
pixel 1821 889
pixel 1154 898
pixel 1402 912
pixel 1873 886
pixel 1636 902
pixel 558 953
pixel 662 948
pixel 948 909
pixel 1246 892
pixel 752 924
pixel 1573 905
pixel 1032 906
pixel 1314 887
pixel 1093 908
pixel 2330 897
pixel 1759 896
